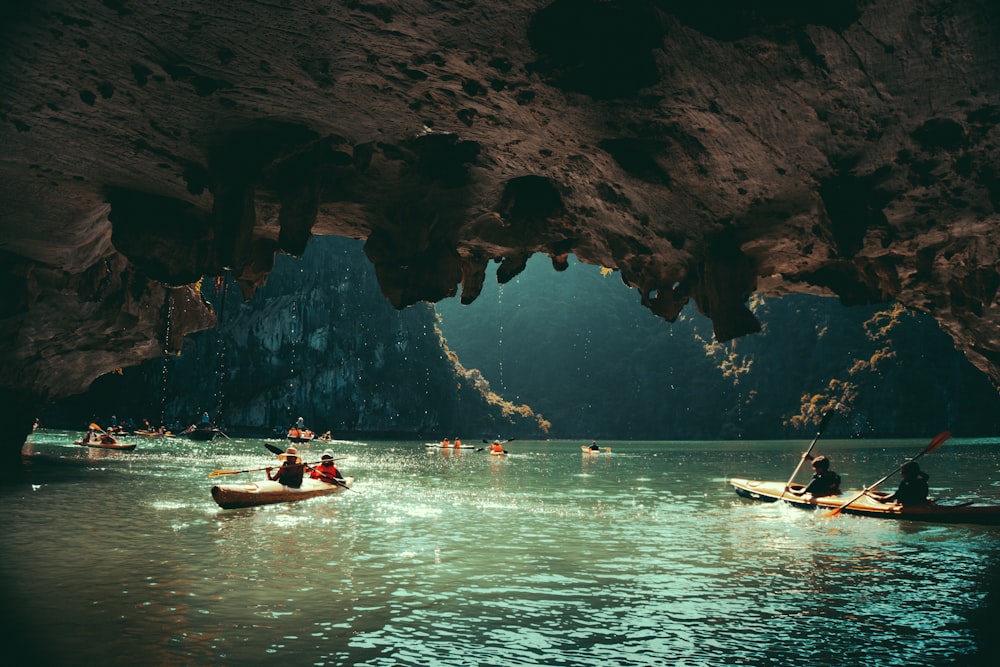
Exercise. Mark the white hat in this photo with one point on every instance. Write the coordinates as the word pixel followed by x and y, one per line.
pixel 328 454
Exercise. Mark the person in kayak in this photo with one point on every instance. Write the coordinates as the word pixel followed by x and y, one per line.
pixel 497 447
pixel 912 489
pixel 291 470
pixel 327 470
pixel 594 446
pixel 824 481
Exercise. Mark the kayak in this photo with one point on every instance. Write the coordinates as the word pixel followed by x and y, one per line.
pixel 252 494
pixel 438 445
pixel 590 450
pixel 201 434
pixel 494 452
pixel 939 512
pixel 114 444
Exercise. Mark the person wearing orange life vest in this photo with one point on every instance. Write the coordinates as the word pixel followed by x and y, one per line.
pixel 496 446
pixel 327 470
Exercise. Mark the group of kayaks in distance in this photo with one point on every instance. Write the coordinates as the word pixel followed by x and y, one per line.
pixel 495 446
pixel 205 430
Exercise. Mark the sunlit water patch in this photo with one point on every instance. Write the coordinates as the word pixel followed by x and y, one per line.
pixel 543 557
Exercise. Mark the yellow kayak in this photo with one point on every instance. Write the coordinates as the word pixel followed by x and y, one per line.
pixel 864 505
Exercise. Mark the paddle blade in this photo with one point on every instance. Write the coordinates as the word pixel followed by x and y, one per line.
pixel 216 473
pixel 938 440
pixel 274 450
pixel 95 427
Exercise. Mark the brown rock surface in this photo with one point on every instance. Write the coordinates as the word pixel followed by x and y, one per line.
pixel 707 152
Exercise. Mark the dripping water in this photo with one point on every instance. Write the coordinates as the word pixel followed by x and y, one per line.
pixel 221 290
pixel 165 366
pixel 500 318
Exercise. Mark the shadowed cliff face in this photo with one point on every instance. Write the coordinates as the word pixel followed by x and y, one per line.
pixel 705 152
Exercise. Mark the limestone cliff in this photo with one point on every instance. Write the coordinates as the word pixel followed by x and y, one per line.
pixel 316 341
pixel 708 151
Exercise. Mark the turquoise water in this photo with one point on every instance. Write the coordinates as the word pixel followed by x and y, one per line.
pixel 548 556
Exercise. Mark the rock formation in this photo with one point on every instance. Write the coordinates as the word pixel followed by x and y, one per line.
pixel 316 341
pixel 707 151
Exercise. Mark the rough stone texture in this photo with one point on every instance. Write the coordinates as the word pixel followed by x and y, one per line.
pixel 706 150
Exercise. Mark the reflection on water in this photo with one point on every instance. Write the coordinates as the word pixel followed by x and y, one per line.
pixel 544 557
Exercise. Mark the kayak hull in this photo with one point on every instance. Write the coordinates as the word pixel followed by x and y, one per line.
pixel 770 492
pixel 435 445
pixel 120 446
pixel 254 494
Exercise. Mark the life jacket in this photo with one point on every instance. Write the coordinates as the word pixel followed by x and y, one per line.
pixel 326 472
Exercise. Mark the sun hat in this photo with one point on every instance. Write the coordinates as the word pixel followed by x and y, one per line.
pixel 328 454
pixel 290 453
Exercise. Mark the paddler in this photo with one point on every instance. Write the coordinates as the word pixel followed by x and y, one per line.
pixel 291 470
pixel 824 481
pixel 327 469
pixel 912 489
pixel 496 447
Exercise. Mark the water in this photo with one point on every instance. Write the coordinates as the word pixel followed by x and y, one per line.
pixel 548 556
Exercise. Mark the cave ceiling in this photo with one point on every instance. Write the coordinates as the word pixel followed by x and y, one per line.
pixel 706 151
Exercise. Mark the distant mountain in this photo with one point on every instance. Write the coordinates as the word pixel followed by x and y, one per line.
pixel 578 347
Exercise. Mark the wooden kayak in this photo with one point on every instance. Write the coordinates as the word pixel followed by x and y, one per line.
pixel 590 450
pixel 252 494
pixel 114 444
pixel 937 512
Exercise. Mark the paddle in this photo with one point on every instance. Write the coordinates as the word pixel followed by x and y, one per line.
pixel 277 450
pixel 824 420
pixel 938 440
pixel 217 473
pixel 274 449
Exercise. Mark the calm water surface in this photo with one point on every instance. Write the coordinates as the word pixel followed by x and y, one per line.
pixel 548 556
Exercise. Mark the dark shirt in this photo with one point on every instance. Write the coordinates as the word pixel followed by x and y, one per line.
pixel 290 474
pixel 912 491
pixel 824 484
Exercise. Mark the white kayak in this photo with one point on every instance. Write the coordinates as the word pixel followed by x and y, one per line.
pixel 252 494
